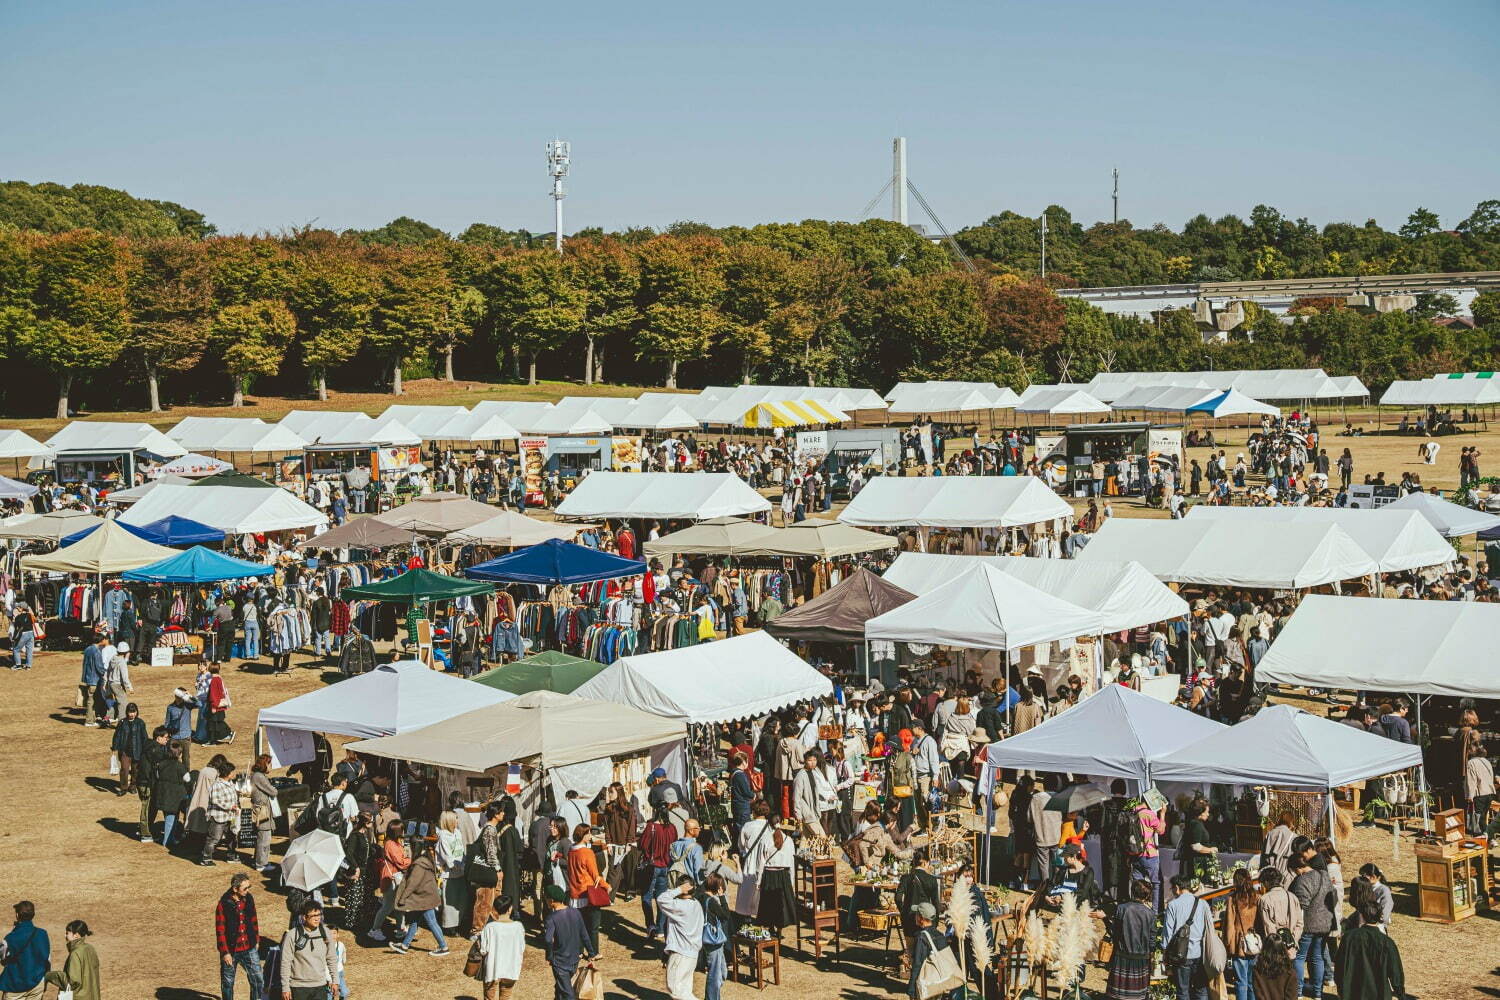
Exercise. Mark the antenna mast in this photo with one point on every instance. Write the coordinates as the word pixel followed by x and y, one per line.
pixel 558 152
pixel 898 180
pixel 1044 244
pixel 1116 173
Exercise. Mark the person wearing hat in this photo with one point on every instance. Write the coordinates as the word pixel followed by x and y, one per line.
pixel 117 680
pixel 23 637
pixel 566 939
pixel 926 941
pixel 659 785
pixel 1076 877
pixel 179 722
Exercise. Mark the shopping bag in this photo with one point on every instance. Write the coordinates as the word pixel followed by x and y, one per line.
pixel 587 984
pixel 64 995
pixel 939 974
pixel 114 763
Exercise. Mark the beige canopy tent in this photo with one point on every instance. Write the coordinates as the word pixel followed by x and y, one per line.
pixel 825 539
pixel 550 729
pixel 360 533
pixel 437 514
pixel 719 536
pixel 53 527
pixel 108 549
pixel 510 528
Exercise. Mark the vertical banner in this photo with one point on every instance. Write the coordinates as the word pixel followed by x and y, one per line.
pixel 533 462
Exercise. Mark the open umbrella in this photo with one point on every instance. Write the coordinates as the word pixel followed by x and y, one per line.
pixel 1076 798
pixel 312 860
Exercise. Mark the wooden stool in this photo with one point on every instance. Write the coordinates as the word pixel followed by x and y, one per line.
pixel 755 954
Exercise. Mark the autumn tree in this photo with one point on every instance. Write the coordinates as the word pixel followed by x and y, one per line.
pixel 171 299
pixel 252 339
pixel 78 313
pixel 1021 316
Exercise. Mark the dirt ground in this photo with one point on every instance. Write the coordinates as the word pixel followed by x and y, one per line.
pixel 69 844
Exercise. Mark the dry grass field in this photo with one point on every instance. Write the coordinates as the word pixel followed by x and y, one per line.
pixel 68 843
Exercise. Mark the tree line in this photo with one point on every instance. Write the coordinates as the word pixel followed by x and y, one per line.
pixel 129 302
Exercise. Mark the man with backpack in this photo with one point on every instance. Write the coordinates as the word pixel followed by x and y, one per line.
pixel 333 811
pixel 1184 925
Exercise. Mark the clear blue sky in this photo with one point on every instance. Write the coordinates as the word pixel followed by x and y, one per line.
pixel 270 114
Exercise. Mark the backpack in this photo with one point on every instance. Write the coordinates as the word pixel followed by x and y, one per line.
pixel 331 815
pixel 1135 840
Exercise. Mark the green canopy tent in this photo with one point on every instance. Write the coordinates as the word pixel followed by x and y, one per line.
pixel 546 671
pixel 229 477
pixel 418 585
pixel 417 588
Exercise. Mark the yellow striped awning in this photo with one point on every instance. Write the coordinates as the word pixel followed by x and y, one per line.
pixel 792 413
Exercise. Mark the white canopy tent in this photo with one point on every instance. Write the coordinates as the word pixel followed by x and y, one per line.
pixel 1222 553
pixel 1124 595
pixel 1374 644
pixel 1449 519
pixel 512 411
pixel 476 428
pixel 19 444
pixel 1349 387
pixel 954 502
pixel 1440 391
pixel 1285 747
pixel 1397 540
pixel 425 421
pixel 325 428
pixel 655 415
pixel 135 493
pixel 984 608
pixel 392 698
pixel 101 436
pixel 50 527
pixel 730 407
pixel 662 495
pixel 544 727
pixel 1113 733
pixel 1162 398
pixel 922 397
pixel 1058 401
pixel 236 510
pixel 567 423
pixel 712 682
pixel 1293 384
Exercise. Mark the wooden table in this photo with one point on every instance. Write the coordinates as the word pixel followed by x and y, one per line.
pixel 757 959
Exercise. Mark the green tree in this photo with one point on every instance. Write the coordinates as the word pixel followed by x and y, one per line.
pixel 1419 224
pixel 1485 309
pixel 760 284
pixel 682 285
pixel 402 232
pixel 534 305
pixel 171 305
pixel 252 339
pixel 332 295
pixel 413 303
pixel 608 275
pixel 79 313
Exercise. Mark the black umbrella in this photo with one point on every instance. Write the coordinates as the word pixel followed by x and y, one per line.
pixel 1076 798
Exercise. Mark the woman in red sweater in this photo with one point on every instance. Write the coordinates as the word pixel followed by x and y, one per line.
pixel 583 875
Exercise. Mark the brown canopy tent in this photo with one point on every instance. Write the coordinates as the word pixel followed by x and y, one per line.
pixel 839 613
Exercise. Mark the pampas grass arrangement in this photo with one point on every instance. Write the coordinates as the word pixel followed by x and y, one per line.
pixel 979 940
pixel 960 915
pixel 1062 944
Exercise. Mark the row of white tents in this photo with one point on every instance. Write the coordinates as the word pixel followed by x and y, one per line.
pixel 1468 389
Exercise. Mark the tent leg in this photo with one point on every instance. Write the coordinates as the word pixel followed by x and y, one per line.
pixel 1422 768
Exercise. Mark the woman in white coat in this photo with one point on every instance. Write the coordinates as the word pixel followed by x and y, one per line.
pixel 753 837
pixel 500 945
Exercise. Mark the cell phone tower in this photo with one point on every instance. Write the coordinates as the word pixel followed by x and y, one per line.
pixel 558 152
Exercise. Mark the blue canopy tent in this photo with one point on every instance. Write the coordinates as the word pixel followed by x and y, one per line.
pixel 171 530
pixel 197 565
pixel 14 489
pixel 556 561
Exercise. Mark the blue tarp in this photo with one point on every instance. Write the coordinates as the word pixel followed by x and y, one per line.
pixel 556 561
pixel 197 565
pixel 172 530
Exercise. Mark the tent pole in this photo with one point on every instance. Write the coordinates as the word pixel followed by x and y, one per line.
pixel 1422 768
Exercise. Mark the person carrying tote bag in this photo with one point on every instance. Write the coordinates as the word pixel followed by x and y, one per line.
pixel 935 971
